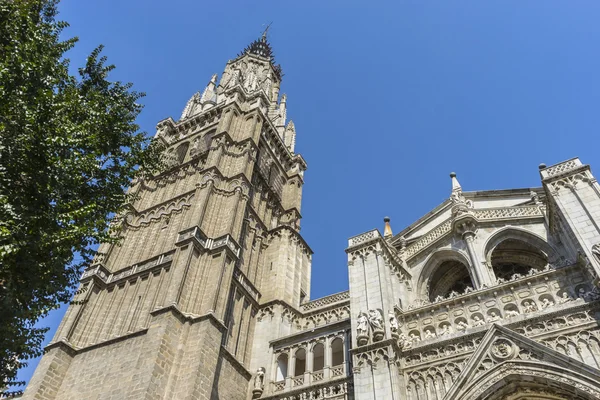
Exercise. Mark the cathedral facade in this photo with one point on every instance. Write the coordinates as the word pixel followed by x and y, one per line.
pixel 491 295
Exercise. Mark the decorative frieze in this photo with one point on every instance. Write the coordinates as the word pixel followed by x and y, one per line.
pixel 363 238
pixel 325 301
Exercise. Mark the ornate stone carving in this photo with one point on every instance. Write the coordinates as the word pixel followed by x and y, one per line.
pixel 393 323
pixel 259 383
pixel 376 321
pixel 362 238
pixel 362 329
pixel 324 301
pixel 596 251
pixel 503 349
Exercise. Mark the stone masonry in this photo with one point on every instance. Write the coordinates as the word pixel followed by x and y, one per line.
pixel 491 295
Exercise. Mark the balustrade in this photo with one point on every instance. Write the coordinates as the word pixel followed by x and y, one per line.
pixel 306 364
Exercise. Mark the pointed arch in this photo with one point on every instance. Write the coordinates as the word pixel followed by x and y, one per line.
pixel 516 233
pixel 515 251
pixel 503 379
pixel 435 265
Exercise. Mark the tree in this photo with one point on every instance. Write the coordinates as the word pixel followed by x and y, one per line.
pixel 69 146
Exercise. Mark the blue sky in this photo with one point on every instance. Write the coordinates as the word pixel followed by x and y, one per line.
pixel 387 97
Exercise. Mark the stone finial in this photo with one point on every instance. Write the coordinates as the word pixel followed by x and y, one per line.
pixel 209 93
pixel 289 136
pixel 455 184
pixel 387 230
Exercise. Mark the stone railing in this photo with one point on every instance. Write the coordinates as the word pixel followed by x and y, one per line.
pixel 104 275
pixel 508 212
pixel 278 386
pixel 523 297
pixel 363 237
pixel 325 301
pixel 561 168
pixel 337 389
pixel 317 376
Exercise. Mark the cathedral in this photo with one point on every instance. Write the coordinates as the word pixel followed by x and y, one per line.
pixel 491 295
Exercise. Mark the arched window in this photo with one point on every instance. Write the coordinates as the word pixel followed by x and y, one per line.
pixel 282 367
pixel 300 366
pixel 451 276
pixel 181 151
pixel 514 256
pixel 318 357
pixel 337 352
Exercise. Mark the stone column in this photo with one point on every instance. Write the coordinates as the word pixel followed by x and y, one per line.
pixel 290 371
pixel 309 364
pixel 327 359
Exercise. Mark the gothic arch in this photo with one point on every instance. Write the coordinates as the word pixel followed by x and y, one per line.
pixel 432 266
pixel 500 382
pixel 511 251
pixel 512 232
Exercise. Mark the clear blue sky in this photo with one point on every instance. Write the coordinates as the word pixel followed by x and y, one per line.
pixel 387 97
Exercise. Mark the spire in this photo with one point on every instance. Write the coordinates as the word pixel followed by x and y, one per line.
pixel 209 93
pixel 262 48
pixel 455 185
pixel 387 230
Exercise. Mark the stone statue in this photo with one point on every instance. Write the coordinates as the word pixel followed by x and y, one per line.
pixel 530 306
pixel 535 197
pixel 393 322
pixel 546 303
pixel 404 343
pixel 376 320
pixel 477 321
pixel 259 383
pixel 414 338
pixel 512 313
pixel 593 294
pixel 493 317
pixel 565 298
pixel 446 330
pixel 429 334
pixel 362 329
pixel 361 325
pixel 581 293
pixel 462 325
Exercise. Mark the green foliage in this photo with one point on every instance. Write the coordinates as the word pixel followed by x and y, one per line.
pixel 69 145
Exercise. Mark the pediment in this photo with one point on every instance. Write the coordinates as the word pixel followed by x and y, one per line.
pixel 506 358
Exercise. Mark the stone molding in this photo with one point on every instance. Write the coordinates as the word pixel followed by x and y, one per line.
pixel 196 235
pixel 502 347
pixel 101 273
pixel 325 301
pixel 310 320
pixel 330 389
pixel 480 215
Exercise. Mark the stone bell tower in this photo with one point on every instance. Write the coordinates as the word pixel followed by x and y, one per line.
pixel 170 312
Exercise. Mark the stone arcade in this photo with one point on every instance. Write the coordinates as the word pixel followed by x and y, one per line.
pixel 491 295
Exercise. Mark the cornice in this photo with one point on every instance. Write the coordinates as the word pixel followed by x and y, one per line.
pixel 293 232
pixel 341 325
